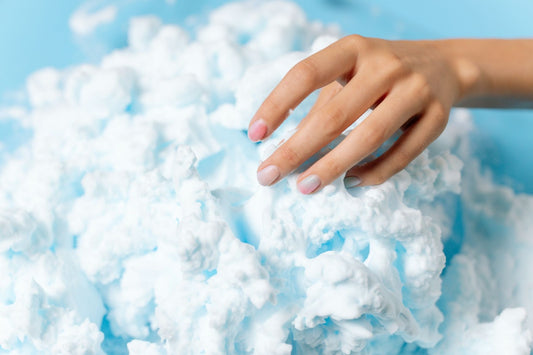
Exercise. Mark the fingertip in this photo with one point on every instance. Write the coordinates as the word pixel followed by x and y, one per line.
pixel 268 175
pixel 257 130
pixel 309 185
pixel 352 181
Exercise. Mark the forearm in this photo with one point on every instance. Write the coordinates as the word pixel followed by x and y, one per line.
pixel 492 72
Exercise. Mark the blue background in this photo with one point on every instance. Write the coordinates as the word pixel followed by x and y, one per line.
pixel 35 34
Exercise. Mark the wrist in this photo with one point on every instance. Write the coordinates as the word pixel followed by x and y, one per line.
pixel 471 80
pixel 491 72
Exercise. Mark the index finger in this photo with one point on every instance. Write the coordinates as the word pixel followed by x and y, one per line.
pixel 335 61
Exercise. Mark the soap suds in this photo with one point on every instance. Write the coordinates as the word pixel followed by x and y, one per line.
pixel 131 220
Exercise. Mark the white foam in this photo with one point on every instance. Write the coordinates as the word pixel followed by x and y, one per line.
pixel 85 20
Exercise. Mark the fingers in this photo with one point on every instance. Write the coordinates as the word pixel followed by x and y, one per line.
pixel 310 74
pixel 401 80
pixel 385 120
pixel 326 94
pixel 410 145
pixel 330 121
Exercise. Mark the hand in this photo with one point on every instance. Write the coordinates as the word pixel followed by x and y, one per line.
pixel 410 84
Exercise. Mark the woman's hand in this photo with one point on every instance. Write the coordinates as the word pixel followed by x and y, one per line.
pixel 410 84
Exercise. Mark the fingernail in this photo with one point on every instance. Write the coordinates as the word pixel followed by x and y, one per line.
pixel 257 131
pixel 351 181
pixel 309 184
pixel 268 175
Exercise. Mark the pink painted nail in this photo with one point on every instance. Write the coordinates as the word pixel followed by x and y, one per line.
pixel 257 131
pixel 268 175
pixel 309 184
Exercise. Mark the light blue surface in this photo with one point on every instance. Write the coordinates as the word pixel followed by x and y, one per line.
pixel 35 34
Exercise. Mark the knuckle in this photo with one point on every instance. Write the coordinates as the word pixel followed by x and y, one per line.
pixel 332 122
pixel 272 106
pixel 394 66
pixel 360 45
pixel 441 114
pixel 376 174
pixel 421 87
pixel 374 139
pixel 377 178
pixel 305 72
pixel 333 167
pixel 289 156
pixel 386 67
pixel 390 67
pixel 440 117
pixel 373 135
pixel 353 40
pixel 401 160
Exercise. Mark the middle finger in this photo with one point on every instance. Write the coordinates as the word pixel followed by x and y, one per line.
pixel 323 126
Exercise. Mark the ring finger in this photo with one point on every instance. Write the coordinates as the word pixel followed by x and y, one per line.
pixel 387 118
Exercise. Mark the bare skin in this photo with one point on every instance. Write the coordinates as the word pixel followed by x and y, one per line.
pixel 412 85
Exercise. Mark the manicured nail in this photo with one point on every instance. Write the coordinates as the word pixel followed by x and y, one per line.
pixel 268 175
pixel 257 131
pixel 351 181
pixel 309 184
